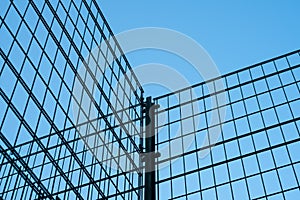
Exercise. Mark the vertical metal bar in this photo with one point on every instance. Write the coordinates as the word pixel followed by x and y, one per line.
pixel 150 151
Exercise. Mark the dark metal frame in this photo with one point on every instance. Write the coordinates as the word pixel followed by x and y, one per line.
pixel 43 156
pixel 67 149
pixel 247 91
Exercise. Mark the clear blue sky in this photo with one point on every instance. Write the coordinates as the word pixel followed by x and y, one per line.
pixel 235 33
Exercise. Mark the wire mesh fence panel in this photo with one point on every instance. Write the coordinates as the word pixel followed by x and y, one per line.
pixel 254 154
pixel 70 108
pixel 72 117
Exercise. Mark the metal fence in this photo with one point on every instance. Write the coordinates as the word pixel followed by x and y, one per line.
pixel 257 153
pixel 73 119
pixel 60 88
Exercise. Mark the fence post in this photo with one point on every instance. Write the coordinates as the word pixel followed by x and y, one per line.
pixel 150 153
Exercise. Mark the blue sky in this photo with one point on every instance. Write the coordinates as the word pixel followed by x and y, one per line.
pixel 235 33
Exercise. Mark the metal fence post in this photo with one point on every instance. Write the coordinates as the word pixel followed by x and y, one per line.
pixel 150 153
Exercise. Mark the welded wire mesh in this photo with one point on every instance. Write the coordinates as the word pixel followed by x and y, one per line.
pixel 71 117
pixel 64 81
pixel 256 155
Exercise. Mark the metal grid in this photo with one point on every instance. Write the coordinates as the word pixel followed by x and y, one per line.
pixel 257 153
pixel 46 57
pixel 71 117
